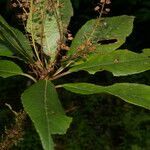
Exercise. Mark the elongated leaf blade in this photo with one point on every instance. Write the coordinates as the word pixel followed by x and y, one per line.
pixel 120 63
pixel 136 94
pixel 15 41
pixel 41 102
pixel 47 21
pixel 8 68
pixel 103 35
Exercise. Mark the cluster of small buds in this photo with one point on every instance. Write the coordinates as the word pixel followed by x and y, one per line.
pixel 69 37
pixel 20 3
pixel 64 47
pixel 22 6
pixel 84 50
pixel 98 8
pixel 105 1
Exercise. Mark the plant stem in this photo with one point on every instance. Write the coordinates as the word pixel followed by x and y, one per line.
pixel 62 68
pixel 29 76
pixel 60 75
pixel 31 26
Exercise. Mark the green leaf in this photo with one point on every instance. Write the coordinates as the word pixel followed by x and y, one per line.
pixel 8 68
pixel 104 35
pixel 120 63
pixel 136 94
pixel 4 50
pixel 146 52
pixel 15 41
pixel 46 23
pixel 41 102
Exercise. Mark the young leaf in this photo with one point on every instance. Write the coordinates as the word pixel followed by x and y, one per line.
pixel 41 102
pixel 15 41
pixel 8 68
pixel 105 35
pixel 46 23
pixel 136 94
pixel 120 63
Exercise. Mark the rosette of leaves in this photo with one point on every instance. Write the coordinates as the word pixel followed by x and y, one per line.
pixel 94 48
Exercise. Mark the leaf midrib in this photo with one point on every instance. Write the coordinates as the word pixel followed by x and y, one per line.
pixel 11 72
pixel 85 89
pixel 106 90
pixel 46 112
pixel 106 64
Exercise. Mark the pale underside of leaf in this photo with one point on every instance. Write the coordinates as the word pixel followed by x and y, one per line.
pixel 120 63
pixel 41 102
pixel 137 94
pixel 46 23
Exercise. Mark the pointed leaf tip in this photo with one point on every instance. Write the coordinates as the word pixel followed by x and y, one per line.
pixel 41 102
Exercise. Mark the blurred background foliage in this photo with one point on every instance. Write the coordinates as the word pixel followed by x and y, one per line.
pixel 101 122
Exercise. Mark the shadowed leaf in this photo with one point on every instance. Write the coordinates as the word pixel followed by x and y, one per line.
pixel 137 94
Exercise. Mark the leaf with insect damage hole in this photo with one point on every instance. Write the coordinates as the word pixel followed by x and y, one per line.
pixel 101 35
pixel 119 62
pixel 137 94
pixel 41 102
pixel 47 22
